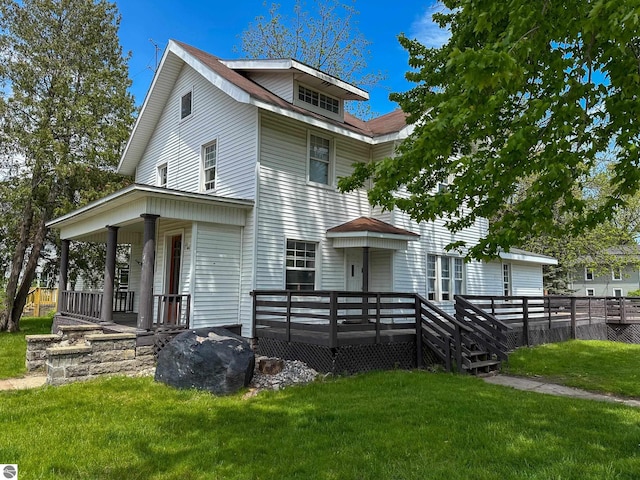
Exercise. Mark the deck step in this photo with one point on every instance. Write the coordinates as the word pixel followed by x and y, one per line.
pixel 481 364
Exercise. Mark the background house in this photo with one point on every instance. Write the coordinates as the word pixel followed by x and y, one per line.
pixel 617 279
pixel 236 165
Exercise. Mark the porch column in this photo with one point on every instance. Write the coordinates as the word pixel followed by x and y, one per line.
pixel 64 269
pixel 109 274
pixel 365 269
pixel 145 309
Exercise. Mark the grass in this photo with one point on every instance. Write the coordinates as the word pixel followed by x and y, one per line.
pixel 388 425
pixel 608 367
pixel 13 346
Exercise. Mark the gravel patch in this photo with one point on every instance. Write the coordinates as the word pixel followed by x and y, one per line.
pixel 295 372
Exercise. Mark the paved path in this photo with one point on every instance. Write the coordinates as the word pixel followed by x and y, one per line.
pixel 31 381
pixel 530 385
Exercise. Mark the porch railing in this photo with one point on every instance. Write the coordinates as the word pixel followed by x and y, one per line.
pixel 87 305
pixel 172 310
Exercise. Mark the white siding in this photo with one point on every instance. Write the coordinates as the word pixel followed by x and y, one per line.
pixel 380 267
pixel 217 257
pixel 526 280
pixel 135 273
pixel 216 116
pixel 165 229
pixel 289 207
pixel 278 83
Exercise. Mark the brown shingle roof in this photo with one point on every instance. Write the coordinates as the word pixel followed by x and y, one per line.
pixel 368 224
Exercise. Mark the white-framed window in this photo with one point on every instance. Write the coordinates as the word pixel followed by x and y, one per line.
pixel 445 277
pixel 588 274
pixel 617 292
pixel 319 159
pixel 209 158
pixel 591 292
pixel 300 265
pixel 506 279
pixel 186 105
pixel 616 274
pixel 318 99
pixel 162 175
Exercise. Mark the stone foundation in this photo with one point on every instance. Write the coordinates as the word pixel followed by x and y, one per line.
pixel 84 352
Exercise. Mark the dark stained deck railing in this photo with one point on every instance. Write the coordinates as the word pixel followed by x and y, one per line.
pixel 172 310
pixel 85 305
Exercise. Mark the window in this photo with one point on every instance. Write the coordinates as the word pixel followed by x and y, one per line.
pixel 123 279
pixel 301 265
pixel 617 292
pixel 591 292
pixel 209 154
pixel 506 280
pixel 319 159
pixel 318 99
pixel 616 273
pixel 445 277
pixel 588 273
pixel 432 261
pixel 185 105
pixel 162 175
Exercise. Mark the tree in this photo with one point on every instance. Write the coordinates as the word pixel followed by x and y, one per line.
pixel 525 93
pixel 327 39
pixel 65 117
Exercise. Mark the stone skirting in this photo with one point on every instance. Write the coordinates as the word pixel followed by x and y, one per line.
pixel 84 352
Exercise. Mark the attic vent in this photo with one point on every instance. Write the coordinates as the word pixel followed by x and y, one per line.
pixel 318 99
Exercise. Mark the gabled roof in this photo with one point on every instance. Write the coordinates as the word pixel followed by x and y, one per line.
pixel 244 90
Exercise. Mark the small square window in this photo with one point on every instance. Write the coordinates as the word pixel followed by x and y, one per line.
pixel 591 292
pixel 162 175
pixel 617 292
pixel 185 105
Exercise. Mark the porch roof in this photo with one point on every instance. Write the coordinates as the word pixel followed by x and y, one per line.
pixel 370 232
pixel 515 254
pixel 124 208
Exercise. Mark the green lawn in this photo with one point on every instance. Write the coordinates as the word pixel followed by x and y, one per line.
pixel 387 425
pixel 608 367
pixel 13 346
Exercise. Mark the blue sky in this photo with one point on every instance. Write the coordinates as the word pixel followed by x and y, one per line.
pixel 216 26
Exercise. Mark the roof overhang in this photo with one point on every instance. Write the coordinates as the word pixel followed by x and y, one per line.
pixel 527 257
pixel 302 72
pixel 370 232
pixel 125 207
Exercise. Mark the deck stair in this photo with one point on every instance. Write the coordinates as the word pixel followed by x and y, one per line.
pixel 463 342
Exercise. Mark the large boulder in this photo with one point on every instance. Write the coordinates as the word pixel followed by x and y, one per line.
pixel 212 359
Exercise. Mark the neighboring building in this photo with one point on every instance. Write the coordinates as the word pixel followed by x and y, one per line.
pixel 236 164
pixel 617 281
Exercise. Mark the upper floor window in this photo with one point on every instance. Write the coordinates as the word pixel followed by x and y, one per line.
pixel 186 105
pixel 318 99
pixel 616 273
pixel 301 265
pixel 445 277
pixel 588 273
pixel 319 159
pixel 162 175
pixel 209 154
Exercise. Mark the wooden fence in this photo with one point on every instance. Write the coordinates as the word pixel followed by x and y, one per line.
pixel 41 301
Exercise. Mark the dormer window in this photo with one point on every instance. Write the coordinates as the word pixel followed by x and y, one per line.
pixel 186 105
pixel 318 99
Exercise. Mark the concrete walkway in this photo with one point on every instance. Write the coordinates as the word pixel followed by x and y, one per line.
pixel 31 381
pixel 530 385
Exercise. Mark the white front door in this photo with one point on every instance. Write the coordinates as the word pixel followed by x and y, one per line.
pixel 354 269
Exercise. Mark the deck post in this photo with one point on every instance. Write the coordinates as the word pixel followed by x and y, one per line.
pixel 64 269
pixel 623 310
pixel 525 320
pixel 288 317
pixel 333 319
pixel 145 310
pixel 573 318
pixel 419 354
pixel 109 274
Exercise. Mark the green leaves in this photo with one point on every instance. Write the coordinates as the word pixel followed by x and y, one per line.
pixel 520 105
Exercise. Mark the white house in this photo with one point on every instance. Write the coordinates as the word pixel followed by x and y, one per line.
pixel 235 165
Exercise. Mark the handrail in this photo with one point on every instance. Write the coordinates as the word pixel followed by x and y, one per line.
pixel 487 332
pixel 173 310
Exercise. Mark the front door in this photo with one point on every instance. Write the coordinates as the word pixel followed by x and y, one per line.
pixel 174 261
pixel 354 269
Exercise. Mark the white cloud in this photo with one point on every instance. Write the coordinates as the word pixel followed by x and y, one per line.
pixel 426 31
